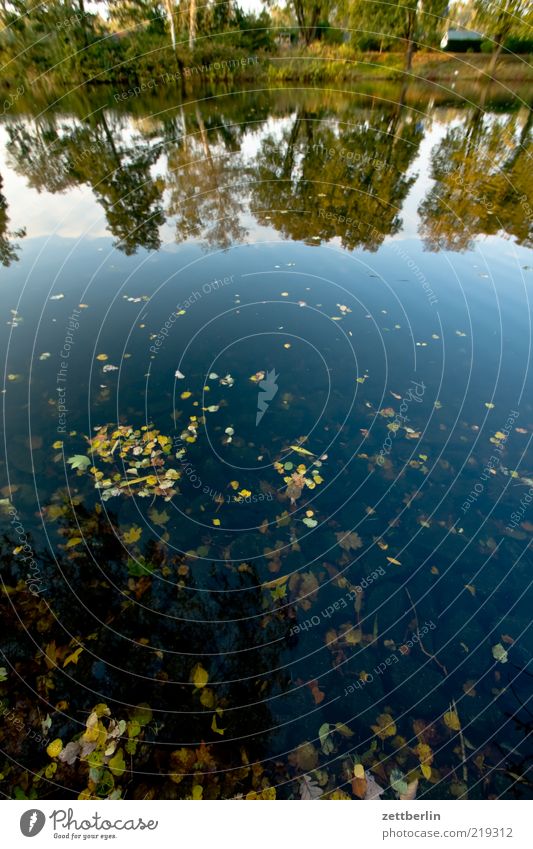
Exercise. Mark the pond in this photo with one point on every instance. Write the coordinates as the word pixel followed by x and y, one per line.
pixel 267 477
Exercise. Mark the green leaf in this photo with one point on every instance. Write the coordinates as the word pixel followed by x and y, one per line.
pixel 143 714
pixel 138 568
pixel 79 461
pixel 105 784
pixel 117 764
pixel 398 782
pixel 325 740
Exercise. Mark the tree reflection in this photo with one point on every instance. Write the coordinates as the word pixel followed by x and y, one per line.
pixel 8 250
pixel 316 173
pixel 96 153
pixel 204 168
pixel 350 183
pixel 483 174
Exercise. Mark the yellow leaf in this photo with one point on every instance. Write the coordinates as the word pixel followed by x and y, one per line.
pixel 426 771
pixel 269 794
pixel 73 541
pixel 207 697
pixel 54 748
pixel 359 771
pixel 185 395
pixel 216 522
pixel 73 658
pixel 343 729
pixel 354 637
pixel 339 796
pixel 425 755
pixel 394 561
pixel 214 726
pixel 300 450
pixel 197 791
pixel 132 535
pixel 386 727
pixel 102 357
pixel 57 444
pixel 451 719
pixel 199 675
pixel 234 484
pixel 245 493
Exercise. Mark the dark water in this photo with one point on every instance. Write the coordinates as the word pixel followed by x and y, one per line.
pixel 369 257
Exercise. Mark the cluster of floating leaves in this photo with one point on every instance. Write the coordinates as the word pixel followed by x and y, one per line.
pixel 143 454
pixel 303 476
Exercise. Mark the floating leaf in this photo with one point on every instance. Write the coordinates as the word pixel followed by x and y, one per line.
pixel 199 675
pixel 410 791
pixel 214 726
pixel 397 781
pixel 132 535
pixel 499 653
pixel 54 748
pixel 325 739
pixel 309 788
pixel 385 727
pixel 349 541
pixel 305 757
pixel 359 771
pixel 79 461
pixel 73 658
pixel 102 357
pixel 73 541
pixel 311 523
pixel 117 764
pixel 303 451
pixel 452 721
pixel 373 789
pixel 159 518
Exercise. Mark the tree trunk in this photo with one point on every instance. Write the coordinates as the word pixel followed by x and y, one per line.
pixel 496 54
pixel 411 26
pixel 192 23
pixel 169 8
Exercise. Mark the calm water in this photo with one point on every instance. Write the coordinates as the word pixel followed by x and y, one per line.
pixel 365 259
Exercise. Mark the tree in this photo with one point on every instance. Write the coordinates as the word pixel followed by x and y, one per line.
pixel 192 23
pixel 407 21
pixel 309 13
pixel 500 19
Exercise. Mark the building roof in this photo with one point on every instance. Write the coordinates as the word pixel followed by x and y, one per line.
pixel 463 35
